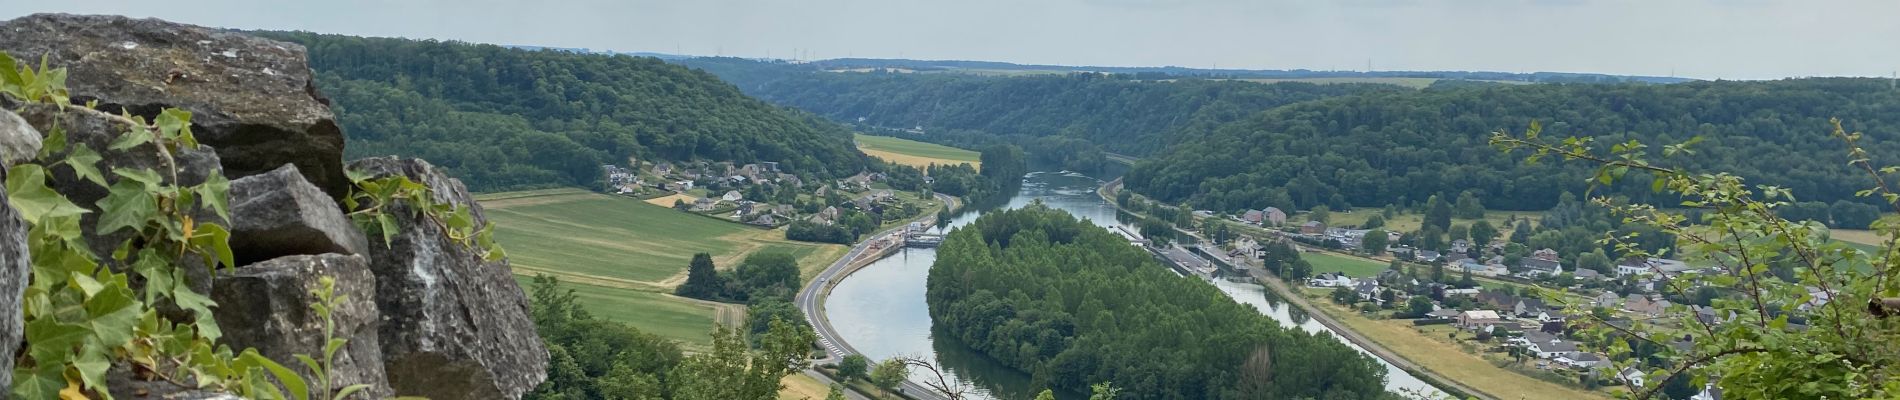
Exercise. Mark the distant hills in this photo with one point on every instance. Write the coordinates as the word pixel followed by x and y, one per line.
pixel 509 118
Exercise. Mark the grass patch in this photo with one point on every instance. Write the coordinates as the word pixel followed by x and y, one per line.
pixel 915 153
pixel 623 256
pixel 1432 351
pixel 660 314
pixel 667 200
pixel 800 386
pixel 1354 267
pixel 607 236
pixel 1409 222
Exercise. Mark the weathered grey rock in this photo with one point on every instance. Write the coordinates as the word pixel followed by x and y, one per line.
pixel 251 98
pixel 266 306
pixel 454 326
pixel 277 214
pixel 18 141
pixel 14 262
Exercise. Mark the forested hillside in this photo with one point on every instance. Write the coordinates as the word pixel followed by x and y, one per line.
pixel 1389 147
pixel 1117 113
pixel 512 119
pixel 1073 304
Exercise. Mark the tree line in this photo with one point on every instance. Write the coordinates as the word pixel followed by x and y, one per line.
pixel 1073 304
pixel 507 119
pixel 1401 147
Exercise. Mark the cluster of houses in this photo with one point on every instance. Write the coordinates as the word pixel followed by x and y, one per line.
pixel 664 178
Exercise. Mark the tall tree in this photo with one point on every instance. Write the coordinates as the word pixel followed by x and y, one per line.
pixel 1437 213
pixel 1374 242
pixel 1482 233
pixel 702 279
pixel 1469 207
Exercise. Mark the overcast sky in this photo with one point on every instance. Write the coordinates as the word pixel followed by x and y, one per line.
pixel 1732 39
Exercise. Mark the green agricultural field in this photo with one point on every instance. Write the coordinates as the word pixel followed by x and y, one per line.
pixel 623 256
pixel 1354 267
pixel 914 153
pixel 659 314
pixel 606 236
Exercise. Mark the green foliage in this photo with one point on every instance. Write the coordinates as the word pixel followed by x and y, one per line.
pixel 617 362
pixel 889 374
pixel 854 366
pixel 729 371
pixel 1320 213
pixel 1806 324
pixel 702 279
pixel 506 119
pixel 375 201
pixel 1072 304
pixel 82 311
pixel 1374 148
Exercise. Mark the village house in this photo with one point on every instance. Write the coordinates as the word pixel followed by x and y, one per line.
pixel 1477 319
pixel 1460 246
pixel 1608 300
pixel 1443 313
pixel 1275 216
pixel 1536 267
pixel 764 219
pixel 1313 228
pixel 1529 307
pixel 1581 360
pixel 1641 267
pixel 1329 279
pixel 1588 274
pixel 1547 346
pixel 732 195
pixel 1632 376
pixel 1367 289
pixel 1549 316
pixel 1426 256
pixel 1252 217
pixel 1642 305
pixel 704 204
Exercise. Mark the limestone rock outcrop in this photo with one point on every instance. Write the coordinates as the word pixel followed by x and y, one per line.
pixel 266 306
pixel 15 138
pixel 251 98
pixel 427 315
pixel 278 213
pixel 454 325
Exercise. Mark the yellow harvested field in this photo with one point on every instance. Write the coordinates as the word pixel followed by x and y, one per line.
pixel 802 387
pixel 915 161
pixel 1439 356
pixel 1861 236
pixel 667 200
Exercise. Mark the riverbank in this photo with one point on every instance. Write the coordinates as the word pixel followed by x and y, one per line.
pixel 810 299
pixel 1279 288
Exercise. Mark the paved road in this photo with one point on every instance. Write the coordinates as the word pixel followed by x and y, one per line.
pixel 810 300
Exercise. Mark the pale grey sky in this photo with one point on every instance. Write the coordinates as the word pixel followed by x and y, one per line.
pixel 1732 39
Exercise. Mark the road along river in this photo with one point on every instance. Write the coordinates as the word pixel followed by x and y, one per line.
pixel 879 309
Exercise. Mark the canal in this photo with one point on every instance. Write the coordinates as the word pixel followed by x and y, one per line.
pixel 880 309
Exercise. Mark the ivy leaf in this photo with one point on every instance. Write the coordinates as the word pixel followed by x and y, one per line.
pixel 176 123
pixel 128 205
pixel 215 193
pixel 42 383
pixel 53 342
pixel 92 370
pixel 215 240
pixel 137 136
pixel 85 164
pixel 200 305
pixel 114 315
pixel 149 178
pixel 27 192
pixel 388 226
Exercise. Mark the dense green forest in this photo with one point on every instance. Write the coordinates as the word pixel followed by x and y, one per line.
pixel 1073 304
pixel 1384 148
pixel 507 119
pixel 1116 112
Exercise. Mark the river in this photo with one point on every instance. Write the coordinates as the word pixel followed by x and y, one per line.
pixel 880 309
